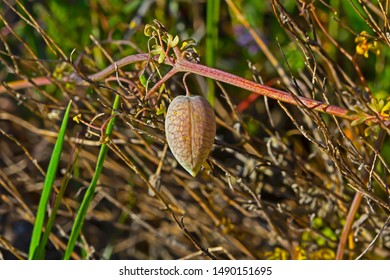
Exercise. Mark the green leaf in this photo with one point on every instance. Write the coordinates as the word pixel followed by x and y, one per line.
pixel 149 29
pixel 143 79
pixel 157 49
pixel 40 253
pixel 174 42
pixel 161 58
pixel 367 131
pixel 48 186
pixel 373 105
pixel 188 43
pixel 161 110
pixel 171 42
pixel 358 121
pixel 386 108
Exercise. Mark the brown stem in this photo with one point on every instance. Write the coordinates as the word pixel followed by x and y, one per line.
pixel 348 225
pixel 42 81
pixel 120 63
pixel 167 76
pixel 183 65
pixel 356 202
pixel 21 84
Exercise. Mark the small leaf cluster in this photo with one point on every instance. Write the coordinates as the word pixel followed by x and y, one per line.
pixel 381 107
pixel 161 40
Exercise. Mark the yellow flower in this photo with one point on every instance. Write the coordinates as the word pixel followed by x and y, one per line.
pixel 374 47
pixel 77 118
pixel 362 49
pixel 362 37
pixel 363 46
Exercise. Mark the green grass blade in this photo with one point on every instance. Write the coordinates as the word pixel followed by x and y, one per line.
pixel 48 185
pixel 40 252
pixel 212 20
pixel 80 217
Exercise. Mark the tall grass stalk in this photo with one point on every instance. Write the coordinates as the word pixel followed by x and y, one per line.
pixel 213 7
pixel 40 253
pixel 48 186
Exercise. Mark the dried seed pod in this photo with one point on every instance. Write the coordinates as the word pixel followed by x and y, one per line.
pixel 190 131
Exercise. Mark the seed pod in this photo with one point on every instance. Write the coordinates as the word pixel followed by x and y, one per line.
pixel 190 131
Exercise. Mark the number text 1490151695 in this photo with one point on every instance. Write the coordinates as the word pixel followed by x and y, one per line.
pixel 242 270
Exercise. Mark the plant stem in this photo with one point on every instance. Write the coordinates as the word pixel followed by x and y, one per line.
pixel 212 21
pixel 43 81
pixel 183 65
pixel 357 200
pixel 21 84
pixel 120 63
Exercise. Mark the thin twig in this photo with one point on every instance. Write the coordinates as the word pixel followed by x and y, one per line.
pixel 356 202
pixel 375 238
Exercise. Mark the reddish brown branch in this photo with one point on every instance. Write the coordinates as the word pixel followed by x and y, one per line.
pixel 120 63
pixel 16 85
pixel 218 75
pixel 42 81
pixel 183 65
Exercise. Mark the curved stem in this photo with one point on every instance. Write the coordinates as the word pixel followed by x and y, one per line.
pixel 185 84
pixel 120 63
